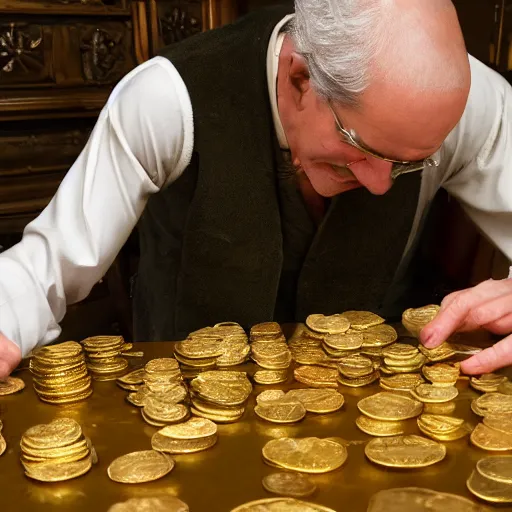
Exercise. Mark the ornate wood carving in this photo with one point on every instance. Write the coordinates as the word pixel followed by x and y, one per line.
pixel 95 7
pixel 178 23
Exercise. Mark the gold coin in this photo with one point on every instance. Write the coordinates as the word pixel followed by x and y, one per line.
pixel 266 329
pixel 379 336
pixel 67 399
pixel 487 438
pixel 441 353
pixel 489 490
pixel 505 388
pixel 380 428
pixel 414 319
pixel 492 403
pixel 234 354
pixel 345 341
pixel 58 433
pixel 428 393
pixel 135 377
pixel 280 505
pixel 196 363
pixel 439 424
pixel 151 421
pixel 3 444
pixel 360 320
pixel 267 377
pixel 217 417
pixel 357 382
pixel 497 468
pixel 155 504
pixel 194 428
pixel 501 422
pixel 442 408
pixel 11 385
pixel 333 324
pixel 413 499
pixel 199 348
pixel 355 365
pixel 216 409
pixel 401 382
pixel 401 352
pixel 294 485
pixel 223 387
pixel 488 383
pixel 140 467
pixel 442 374
pixel 58 472
pixel 320 401
pixel 280 411
pixel 168 413
pixel 388 406
pixel 405 451
pixel 163 443
pixel 270 395
pixel 316 376
pixel 307 455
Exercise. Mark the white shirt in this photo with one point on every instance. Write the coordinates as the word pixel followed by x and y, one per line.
pixel 143 141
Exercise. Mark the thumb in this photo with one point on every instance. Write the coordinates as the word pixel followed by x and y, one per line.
pixel 490 359
pixel 10 356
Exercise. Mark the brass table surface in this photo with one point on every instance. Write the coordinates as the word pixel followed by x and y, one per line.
pixel 222 477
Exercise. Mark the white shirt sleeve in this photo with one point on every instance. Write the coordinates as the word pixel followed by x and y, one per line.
pixel 142 141
pixel 479 153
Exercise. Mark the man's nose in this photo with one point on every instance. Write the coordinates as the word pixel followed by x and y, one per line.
pixel 374 174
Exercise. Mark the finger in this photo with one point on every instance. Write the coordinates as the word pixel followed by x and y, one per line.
pixel 490 311
pixel 490 359
pixel 455 314
pixel 501 326
pixel 10 356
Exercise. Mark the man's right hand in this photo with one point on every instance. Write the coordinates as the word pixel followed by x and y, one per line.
pixel 10 356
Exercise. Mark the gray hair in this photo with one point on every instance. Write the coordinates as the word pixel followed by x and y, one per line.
pixel 338 39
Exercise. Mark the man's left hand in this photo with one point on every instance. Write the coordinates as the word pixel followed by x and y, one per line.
pixel 488 306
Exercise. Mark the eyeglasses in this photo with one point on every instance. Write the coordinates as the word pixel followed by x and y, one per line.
pixel 399 166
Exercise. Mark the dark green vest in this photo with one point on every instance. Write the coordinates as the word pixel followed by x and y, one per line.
pixel 231 239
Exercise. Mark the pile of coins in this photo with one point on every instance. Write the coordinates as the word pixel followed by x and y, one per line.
pixel 357 370
pixel 103 356
pixel 220 396
pixel 270 352
pixel 60 373
pixel 306 347
pixel 140 467
pixel 402 358
pixel 307 455
pixel 492 479
pixel 277 406
pixel 494 433
pixel 384 414
pixel 223 345
pixel 195 435
pixel 55 451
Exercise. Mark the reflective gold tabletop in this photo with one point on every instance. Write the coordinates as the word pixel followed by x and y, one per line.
pixel 222 477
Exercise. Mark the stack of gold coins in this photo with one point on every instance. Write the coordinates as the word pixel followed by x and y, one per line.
pixel 60 373
pixel 402 358
pixel 270 352
pixel 56 451
pixel 220 396
pixel 442 428
pixel 492 479
pixel 195 435
pixel 495 431
pixel 357 370
pixel 223 345
pixel 103 355
pixel 306 455
pixel 488 383
pixel 306 346
pixel 384 414
pixel 442 374
pixel 414 319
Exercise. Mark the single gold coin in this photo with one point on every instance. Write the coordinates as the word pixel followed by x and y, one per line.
pixel 266 330
pixel 405 451
pixel 281 411
pixel 355 365
pixel 428 393
pixel 414 499
pixel 199 348
pixel 360 320
pixel 222 387
pixel 439 424
pixel 194 428
pixel 497 468
pixel 400 352
pixel 321 401
pixel 388 406
pixel 501 422
pixel 133 378
pixel 442 374
pixel 487 438
pixel 11 385
pixel 380 428
pixel 267 377
pixel 59 471
pixel 357 382
pixel 333 324
pixel 217 417
pixel 60 432
pixel 270 395
pixel 164 443
pixel 489 490
pixel 441 353
pixel 401 382
pixel 442 408
pixel 488 383
pixel 379 336
pixel 140 467
pixel 155 504
pixel 281 505
pixel 293 485
pixel 307 455
pixel 492 403
pixel 414 319
pixel 345 341
pixel 316 376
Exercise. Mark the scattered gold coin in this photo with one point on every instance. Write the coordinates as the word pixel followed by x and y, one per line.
pixel 344 341
pixel 267 377
pixel 360 320
pixel 501 422
pixel 307 455
pixel 487 438
pixel 316 376
pixel 442 408
pixel 293 485
pixel 428 393
pixel 442 428
pixel 156 504
pixel 281 411
pixel 401 382
pixel 379 336
pixel 489 490
pixel 11 385
pixel 405 451
pixel 488 383
pixel 492 403
pixel 380 428
pixel 333 324
pixel 498 468
pixel 388 406
pixel 222 387
pixel 321 401
pixel 140 467
pixel 281 505
pixel 442 374
pixel 414 319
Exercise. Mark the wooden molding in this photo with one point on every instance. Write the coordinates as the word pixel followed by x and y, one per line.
pixel 61 7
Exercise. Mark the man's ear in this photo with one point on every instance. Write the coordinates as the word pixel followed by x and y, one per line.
pixel 298 75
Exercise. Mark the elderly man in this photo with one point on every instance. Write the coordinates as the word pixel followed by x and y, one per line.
pixel 252 141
